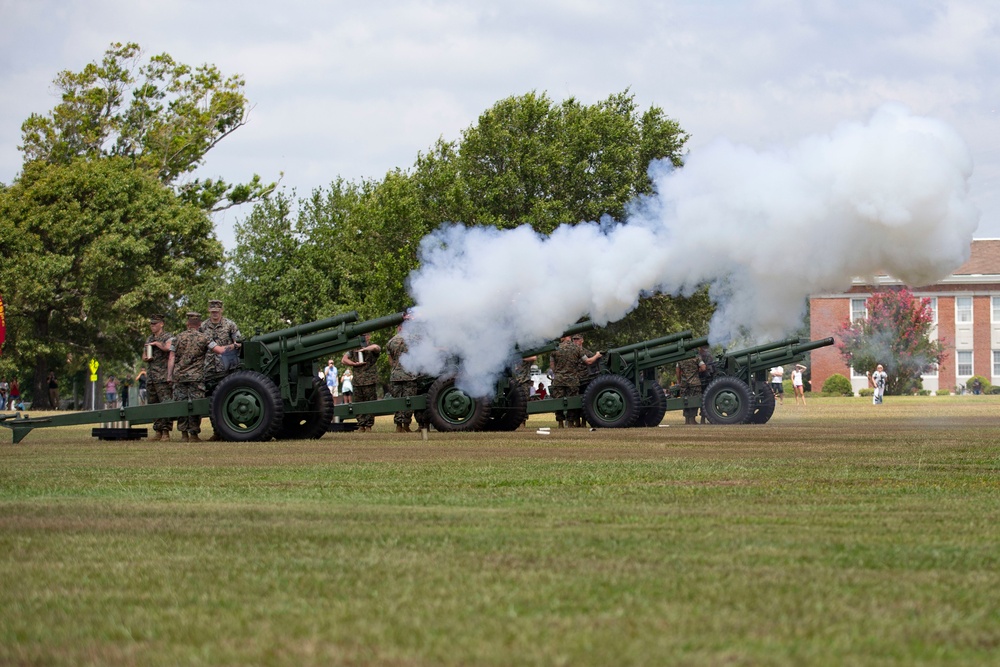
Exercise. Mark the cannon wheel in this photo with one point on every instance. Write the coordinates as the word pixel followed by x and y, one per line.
pixel 763 405
pixel 727 400
pixel 453 410
pixel 511 417
pixel 652 414
pixel 611 401
pixel 247 406
pixel 313 424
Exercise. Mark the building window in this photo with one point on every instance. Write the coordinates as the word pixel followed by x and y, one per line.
pixel 996 363
pixel 963 310
pixel 858 310
pixel 963 358
pixel 996 309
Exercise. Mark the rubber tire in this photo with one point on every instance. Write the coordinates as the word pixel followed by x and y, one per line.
pixel 511 417
pixel 727 400
pixel 763 405
pixel 246 406
pixel 653 414
pixel 454 411
pixel 310 425
pixel 611 401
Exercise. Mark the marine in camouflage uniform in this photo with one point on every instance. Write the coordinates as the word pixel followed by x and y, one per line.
pixel 157 387
pixel 362 363
pixel 564 382
pixel 690 382
pixel 585 371
pixel 225 333
pixel 404 383
pixel 186 369
pixel 705 374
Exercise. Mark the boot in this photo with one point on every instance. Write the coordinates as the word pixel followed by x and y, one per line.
pixel 406 428
pixel 399 428
pixel 184 437
pixel 703 419
pixel 561 423
pixel 215 437
pixel 193 437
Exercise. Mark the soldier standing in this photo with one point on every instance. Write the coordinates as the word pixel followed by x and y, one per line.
pixel 404 383
pixel 584 365
pixel 224 332
pixel 362 364
pixel 156 354
pixel 564 382
pixel 688 378
pixel 186 369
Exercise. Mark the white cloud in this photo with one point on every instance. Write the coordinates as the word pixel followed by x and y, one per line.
pixel 357 89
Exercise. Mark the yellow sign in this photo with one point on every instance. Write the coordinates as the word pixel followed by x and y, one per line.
pixel 93 370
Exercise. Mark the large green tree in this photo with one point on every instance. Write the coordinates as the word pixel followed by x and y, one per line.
pixel 87 250
pixel 161 116
pixel 527 160
pixel 896 334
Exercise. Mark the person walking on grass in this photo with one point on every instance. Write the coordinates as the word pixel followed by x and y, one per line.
pixel 877 380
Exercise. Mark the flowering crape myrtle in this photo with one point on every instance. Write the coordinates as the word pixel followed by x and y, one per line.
pixel 896 334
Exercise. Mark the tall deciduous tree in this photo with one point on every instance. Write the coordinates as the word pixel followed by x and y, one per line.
pixel 896 334
pixel 162 116
pixel 87 250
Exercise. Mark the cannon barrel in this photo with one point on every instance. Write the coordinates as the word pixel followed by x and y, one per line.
pixel 766 347
pixel 796 349
pixel 344 331
pixel 308 328
pixel 579 327
pixel 656 342
pixel 781 348
pixel 673 348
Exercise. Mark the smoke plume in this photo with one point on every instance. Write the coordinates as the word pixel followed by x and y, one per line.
pixel 764 229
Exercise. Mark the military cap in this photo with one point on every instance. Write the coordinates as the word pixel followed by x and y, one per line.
pixel 215 304
pixel 192 315
pixel 156 317
pixel 577 337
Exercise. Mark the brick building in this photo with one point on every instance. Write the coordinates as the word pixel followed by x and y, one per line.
pixel 966 313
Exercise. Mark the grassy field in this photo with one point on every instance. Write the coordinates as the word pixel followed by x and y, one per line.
pixel 839 533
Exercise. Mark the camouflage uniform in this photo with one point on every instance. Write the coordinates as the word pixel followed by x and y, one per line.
pixel 404 383
pixel 564 381
pixel 706 374
pixel 522 376
pixel 157 388
pixel 584 374
pixel 365 380
pixel 690 382
pixel 189 374
pixel 224 333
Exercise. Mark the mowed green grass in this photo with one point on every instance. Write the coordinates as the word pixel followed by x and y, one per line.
pixel 839 533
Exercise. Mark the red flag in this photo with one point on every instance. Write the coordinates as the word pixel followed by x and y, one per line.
pixel 3 325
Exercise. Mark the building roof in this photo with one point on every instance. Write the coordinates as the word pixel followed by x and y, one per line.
pixel 983 260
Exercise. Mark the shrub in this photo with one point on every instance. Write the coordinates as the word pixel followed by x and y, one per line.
pixel 924 392
pixel 838 385
pixel 987 387
pixel 995 389
pixel 943 392
pixel 867 391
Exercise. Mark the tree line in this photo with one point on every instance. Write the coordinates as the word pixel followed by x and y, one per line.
pixel 105 223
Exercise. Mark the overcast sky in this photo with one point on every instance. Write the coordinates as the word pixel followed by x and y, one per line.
pixel 355 89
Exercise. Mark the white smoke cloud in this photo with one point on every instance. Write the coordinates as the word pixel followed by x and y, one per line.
pixel 763 229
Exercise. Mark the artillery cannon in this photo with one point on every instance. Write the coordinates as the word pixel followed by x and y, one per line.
pixel 749 366
pixel 453 410
pixel 275 393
